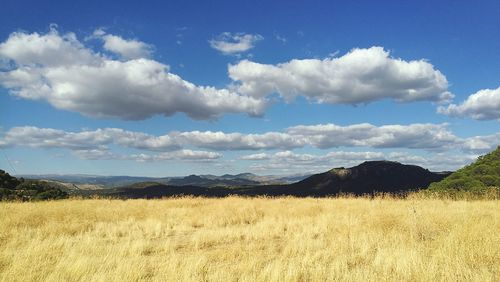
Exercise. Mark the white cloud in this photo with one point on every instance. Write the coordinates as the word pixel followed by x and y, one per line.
pixel 85 140
pixel 287 162
pixel 445 150
pixel 482 105
pixel 256 157
pixel 53 138
pixel 96 154
pixel 49 50
pixel 360 76
pixel 60 70
pixel 328 158
pixel 238 141
pixel 435 138
pixel 414 136
pixel 184 155
pixel 234 43
pixel 180 155
pixel 435 162
pixel 126 48
pixel 481 144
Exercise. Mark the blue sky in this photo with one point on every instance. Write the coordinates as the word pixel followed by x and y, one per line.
pixel 183 87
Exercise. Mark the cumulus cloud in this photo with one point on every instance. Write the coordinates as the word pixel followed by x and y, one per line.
pixel 238 141
pixel 482 105
pixel 126 48
pixel 94 144
pixel 360 76
pixel 447 151
pixel 323 136
pixel 60 70
pixel 481 144
pixel 414 136
pixel 50 50
pixel 85 140
pixel 234 43
pixel 430 137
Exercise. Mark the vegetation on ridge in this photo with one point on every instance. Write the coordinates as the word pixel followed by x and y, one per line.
pixel 482 176
pixel 12 188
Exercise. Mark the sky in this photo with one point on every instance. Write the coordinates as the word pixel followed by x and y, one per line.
pixel 172 88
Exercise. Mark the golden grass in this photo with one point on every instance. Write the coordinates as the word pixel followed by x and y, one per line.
pixel 250 239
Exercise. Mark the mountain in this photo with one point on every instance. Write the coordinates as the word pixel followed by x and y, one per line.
pixel 480 175
pixel 366 178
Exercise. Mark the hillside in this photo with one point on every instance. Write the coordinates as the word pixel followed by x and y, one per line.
pixel 12 188
pixel 369 177
pixel 483 173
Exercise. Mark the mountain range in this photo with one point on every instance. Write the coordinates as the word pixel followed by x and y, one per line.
pixel 95 182
pixel 367 178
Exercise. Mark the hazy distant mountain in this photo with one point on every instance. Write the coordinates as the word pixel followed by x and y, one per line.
pixel 225 180
pixel 92 182
pixel 95 180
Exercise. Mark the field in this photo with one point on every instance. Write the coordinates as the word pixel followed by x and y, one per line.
pixel 250 239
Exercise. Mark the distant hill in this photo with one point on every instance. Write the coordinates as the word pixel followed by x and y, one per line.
pixel 369 177
pixel 97 181
pixel 94 182
pixel 483 173
pixel 366 178
pixel 224 180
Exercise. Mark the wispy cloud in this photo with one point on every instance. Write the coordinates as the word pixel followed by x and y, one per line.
pixel 234 43
pixel 126 48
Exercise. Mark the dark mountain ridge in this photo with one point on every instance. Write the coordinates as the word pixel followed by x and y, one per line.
pixel 370 177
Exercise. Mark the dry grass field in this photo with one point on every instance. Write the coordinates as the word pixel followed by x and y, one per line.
pixel 250 239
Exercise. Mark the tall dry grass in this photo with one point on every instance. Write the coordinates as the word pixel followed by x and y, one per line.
pixel 250 239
